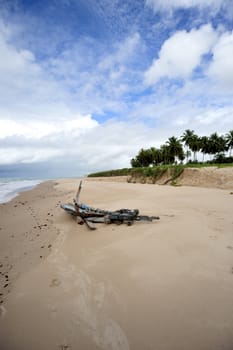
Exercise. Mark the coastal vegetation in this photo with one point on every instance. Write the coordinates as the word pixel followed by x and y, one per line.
pixel 189 150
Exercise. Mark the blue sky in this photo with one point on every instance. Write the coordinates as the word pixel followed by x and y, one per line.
pixel 85 84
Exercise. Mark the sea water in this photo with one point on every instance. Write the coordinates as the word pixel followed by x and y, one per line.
pixel 10 188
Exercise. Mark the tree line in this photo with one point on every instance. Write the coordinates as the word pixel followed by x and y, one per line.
pixel 187 148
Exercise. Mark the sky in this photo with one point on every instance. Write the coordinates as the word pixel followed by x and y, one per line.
pixel 85 84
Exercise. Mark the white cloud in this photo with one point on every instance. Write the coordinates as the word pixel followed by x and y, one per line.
pixel 25 155
pixel 113 144
pixel 42 141
pixel 219 116
pixel 123 53
pixel 173 4
pixel 104 146
pixel 27 90
pixel 40 129
pixel 42 103
pixel 221 67
pixel 181 54
pixel 87 71
pixel 14 61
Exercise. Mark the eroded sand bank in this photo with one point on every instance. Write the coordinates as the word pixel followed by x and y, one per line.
pixel 165 285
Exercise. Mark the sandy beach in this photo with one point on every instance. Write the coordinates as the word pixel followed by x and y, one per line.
pixel 165 285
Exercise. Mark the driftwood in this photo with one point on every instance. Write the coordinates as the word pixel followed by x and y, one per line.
pixel 88 215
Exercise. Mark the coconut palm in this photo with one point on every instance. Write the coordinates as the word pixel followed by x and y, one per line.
pixel 204 146
pixel 187 138
pixel 187 154
pixel 195 145
pixel 166 155
pixel 229 140
pixel 222 144
pixel 135 163
pixel 143 159
pixel 175 148
pixel 156 156
pixel 218 144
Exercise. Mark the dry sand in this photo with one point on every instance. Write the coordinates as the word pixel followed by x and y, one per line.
pixel 166 285
pixel 207 177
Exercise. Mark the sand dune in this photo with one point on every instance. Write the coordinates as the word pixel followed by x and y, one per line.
pixel 210 177
pixel 165 285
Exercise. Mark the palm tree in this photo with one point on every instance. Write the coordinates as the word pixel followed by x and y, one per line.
pixel 135 163
pixel 156 156
pixel 166 155
pixel 143 159
pixel 204 146
pixel 187 154
pixel 187 138
pixel 222 145
pixel 175 147
pixel 195 145
pixel 229 140
pixel 218 144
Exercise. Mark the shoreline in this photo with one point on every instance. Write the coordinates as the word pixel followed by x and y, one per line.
pixel 20 223
pixel 159 284
pixel 11 188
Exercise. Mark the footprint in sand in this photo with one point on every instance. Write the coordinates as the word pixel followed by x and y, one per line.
pixel 213 237
pixel 2 311
pixel 55 282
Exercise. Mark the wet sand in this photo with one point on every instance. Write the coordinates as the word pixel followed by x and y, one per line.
pixel 165 285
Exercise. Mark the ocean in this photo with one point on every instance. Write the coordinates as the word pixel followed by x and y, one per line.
pixel 10 188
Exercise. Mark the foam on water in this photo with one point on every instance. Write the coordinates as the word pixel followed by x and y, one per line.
pixel 10 188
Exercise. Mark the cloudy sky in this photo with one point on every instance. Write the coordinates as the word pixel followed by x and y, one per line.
pixel 84 84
